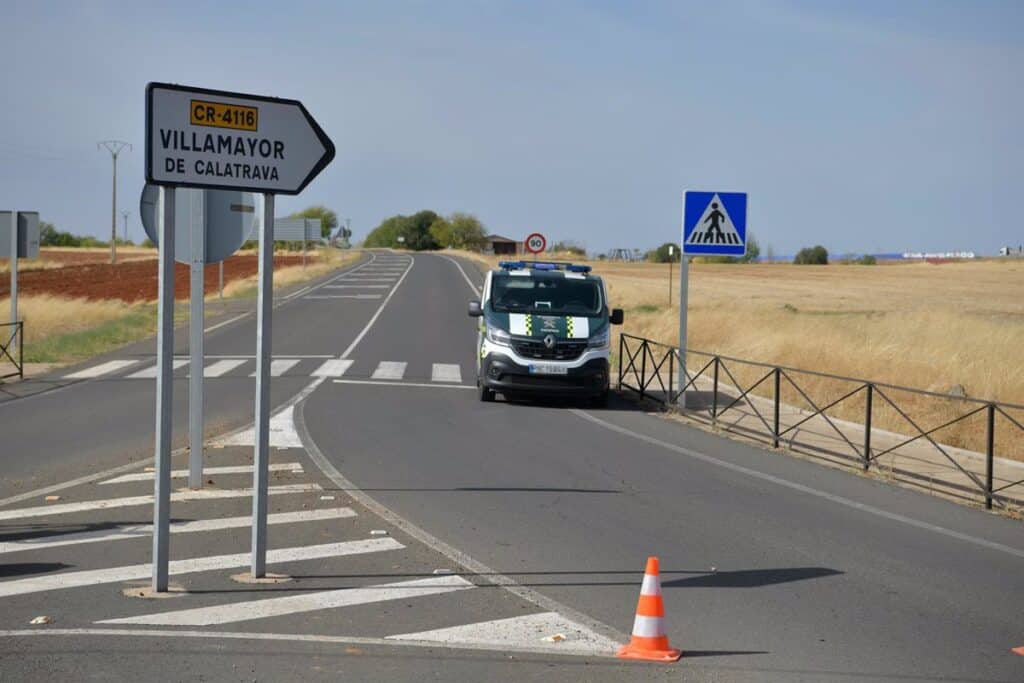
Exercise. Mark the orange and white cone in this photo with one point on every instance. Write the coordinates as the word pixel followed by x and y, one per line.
pixel 649 640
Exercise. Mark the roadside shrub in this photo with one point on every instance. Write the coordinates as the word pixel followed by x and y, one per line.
pixel 812 256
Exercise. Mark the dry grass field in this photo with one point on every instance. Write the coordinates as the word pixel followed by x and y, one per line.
pixel 920 325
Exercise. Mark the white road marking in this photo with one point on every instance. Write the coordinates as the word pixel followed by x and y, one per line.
pixel 333 368
pixel 101 369
pixel 94 577
pixel 224 323
pixel 132 501
pixel 229 469
pixel 150 372
pixel 380 383
pixel 383 305
pixel 294 604
pixel 346 296
pixel 163 634
pixel 357 287
pixel 280 366
pixel 389 369
pixel 222 367
pixel 524 631
pixel 466 277
pixel 446 372
pixel 840 500
pixel 125 531
pixel 282 432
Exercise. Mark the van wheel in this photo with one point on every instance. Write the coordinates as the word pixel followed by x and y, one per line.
pixel 486 395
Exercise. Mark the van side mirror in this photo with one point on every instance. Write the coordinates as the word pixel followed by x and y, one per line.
pixel 474 309
pixel 617 316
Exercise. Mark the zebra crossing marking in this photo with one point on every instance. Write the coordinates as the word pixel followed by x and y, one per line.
pixel 446 372
pixel 222 367
pixel 346 296
pixel 127 531
pixel 388 369
pixel 525 631
pixel 133 501
pixel 357 287
pixel 333 368
pixel 294 467
pixel 280 366
pixel 295 604
pixel 93 577
pixel 101 369
pixel 150 372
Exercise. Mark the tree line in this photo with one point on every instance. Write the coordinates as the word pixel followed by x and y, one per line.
pixel 425 230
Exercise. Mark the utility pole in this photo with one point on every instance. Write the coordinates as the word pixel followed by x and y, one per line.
pixel 125 214
pixel 114 147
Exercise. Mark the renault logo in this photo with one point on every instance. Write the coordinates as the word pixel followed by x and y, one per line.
pixel 549 341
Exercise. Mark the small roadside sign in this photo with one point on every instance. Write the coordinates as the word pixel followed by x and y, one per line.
pixel 715 223
pixel 536 243
pixel 231 141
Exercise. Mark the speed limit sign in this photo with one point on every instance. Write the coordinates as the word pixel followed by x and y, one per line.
pixel 536 243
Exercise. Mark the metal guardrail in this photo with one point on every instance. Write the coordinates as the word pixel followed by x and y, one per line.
pixel 646 361
pixel 15 336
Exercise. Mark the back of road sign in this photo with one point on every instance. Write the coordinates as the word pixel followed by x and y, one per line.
pixel 229 216
pixel 715 223
pixel 28 234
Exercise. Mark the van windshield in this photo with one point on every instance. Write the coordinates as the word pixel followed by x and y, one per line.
pixel 546 295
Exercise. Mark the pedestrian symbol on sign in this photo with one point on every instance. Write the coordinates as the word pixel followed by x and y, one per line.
pixel 710 227
pixel 715 223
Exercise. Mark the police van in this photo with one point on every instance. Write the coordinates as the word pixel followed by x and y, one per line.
pixel 544 329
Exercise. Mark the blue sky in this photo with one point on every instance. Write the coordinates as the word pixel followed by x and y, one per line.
pixel 863 126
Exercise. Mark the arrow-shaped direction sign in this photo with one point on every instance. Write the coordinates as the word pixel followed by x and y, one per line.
pixel 231 141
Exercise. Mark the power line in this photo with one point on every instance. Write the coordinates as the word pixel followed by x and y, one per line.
pixel 114 147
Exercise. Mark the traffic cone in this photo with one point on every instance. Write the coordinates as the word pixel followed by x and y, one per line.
pixel 649 640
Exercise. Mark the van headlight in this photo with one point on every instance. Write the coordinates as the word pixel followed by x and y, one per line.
pixel 497 336
pixel 599 340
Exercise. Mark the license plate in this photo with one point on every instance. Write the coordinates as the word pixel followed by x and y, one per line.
pixel 546 369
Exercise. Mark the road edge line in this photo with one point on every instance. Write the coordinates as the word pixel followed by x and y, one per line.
pixel 785 483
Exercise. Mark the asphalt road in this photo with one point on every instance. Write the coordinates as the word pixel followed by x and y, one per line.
pixel 773 568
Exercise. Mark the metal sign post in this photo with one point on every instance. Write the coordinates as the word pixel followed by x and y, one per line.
pixel 714 224
pixel 197 245
pixel 261 456
pixel 212 139
pixel 164 405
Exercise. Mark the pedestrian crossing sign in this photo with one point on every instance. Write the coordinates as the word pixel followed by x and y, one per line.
pixel 715 223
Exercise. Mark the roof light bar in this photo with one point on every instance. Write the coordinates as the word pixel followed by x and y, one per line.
pixel 544 265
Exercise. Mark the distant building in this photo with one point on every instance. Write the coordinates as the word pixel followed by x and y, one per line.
pixel 503 246
pixel 1012 251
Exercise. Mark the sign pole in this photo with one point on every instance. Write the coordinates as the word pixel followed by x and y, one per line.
pixel 684 287
pixel 305 230
pixel 671 256
pixel 14 267
pixel 220 283
pixel 261 465
pixel 164 405
pixel 197 244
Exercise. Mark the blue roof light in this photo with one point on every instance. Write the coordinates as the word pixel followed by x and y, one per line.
pixel 511 265
pixel 578 269
pixel 544 265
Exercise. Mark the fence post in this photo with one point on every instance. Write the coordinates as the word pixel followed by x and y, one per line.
pixel 21 350
pixel 867 427
pixel 990 453
pixel 775 436
pixel 621 346
pixel 643 368
pixel 714 393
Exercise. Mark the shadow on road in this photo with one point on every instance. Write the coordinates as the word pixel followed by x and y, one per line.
pixel 750 578
pixel 23 568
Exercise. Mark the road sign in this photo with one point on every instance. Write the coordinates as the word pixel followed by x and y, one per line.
pixel 28 234
pixel 231 141
pixel 226 216
pixel 296 229
pixel 715 223
pixel 535 243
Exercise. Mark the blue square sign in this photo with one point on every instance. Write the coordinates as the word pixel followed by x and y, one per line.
pixel 715 223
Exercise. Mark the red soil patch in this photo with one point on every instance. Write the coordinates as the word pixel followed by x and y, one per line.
pixel 130 281
pixel 75 257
